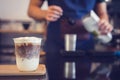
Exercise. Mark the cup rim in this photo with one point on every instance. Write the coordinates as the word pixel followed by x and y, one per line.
pixel 27 40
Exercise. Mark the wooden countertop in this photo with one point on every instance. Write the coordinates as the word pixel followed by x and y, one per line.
pixel 11 70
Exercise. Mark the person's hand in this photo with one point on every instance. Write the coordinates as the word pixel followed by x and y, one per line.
pixel 104 26
pixel 53 13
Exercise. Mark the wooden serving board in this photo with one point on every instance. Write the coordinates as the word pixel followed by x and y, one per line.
pixel 11 70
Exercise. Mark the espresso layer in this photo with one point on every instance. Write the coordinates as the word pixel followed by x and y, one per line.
pixel 27 50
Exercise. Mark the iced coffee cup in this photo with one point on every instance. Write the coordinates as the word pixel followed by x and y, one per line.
pixel 27 52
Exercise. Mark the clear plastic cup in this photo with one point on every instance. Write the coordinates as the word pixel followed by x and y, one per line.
pixel 27 52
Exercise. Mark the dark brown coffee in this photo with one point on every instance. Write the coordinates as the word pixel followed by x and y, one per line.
pixel 27 50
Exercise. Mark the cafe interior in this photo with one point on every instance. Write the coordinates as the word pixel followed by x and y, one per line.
pixel 102 63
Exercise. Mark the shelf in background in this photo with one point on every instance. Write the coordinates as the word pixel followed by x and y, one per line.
pixel 22 31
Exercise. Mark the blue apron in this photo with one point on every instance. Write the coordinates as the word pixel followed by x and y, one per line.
pixel 74 9
pixel 77 11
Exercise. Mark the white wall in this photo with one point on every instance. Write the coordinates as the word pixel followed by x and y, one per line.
pixel 14 9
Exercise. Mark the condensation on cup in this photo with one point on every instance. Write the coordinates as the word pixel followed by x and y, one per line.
pixel 27 52
pixel 70 42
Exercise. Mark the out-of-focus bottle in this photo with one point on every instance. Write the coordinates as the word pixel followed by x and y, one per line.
pixel 90 23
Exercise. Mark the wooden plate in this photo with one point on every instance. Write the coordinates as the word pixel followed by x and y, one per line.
pixel 11 70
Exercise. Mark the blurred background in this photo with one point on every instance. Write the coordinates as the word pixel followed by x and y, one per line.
pixel 14 22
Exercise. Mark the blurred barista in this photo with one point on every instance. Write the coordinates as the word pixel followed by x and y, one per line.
pixel 64 16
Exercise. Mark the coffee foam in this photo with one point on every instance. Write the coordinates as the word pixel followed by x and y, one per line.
pixel 27 40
